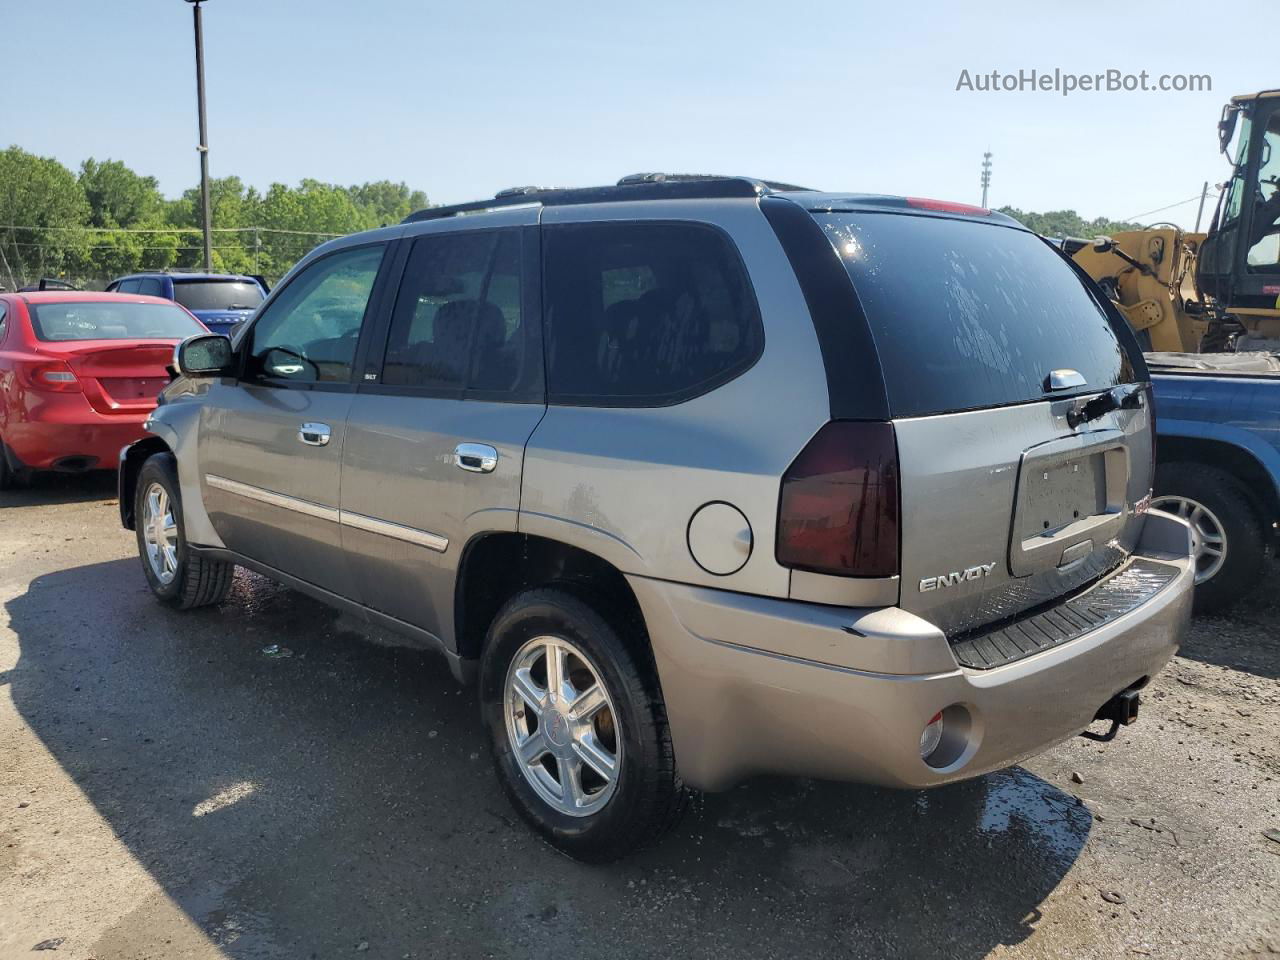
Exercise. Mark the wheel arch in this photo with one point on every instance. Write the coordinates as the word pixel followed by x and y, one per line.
pixel 496 565
pixel 1258 483
pixel 131 461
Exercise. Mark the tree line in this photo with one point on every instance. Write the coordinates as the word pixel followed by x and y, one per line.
pixel 1068 223
pixel 106 220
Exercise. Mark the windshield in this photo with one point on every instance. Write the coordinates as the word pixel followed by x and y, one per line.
pixel 217 294
pixel 112 320
pixel 1264 231
pixel 967 315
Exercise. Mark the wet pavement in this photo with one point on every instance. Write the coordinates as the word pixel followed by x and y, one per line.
pixel 170 790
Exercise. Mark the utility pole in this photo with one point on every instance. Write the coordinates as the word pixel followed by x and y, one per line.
pixel 986 176
pixel 1204 193
pixel 203 148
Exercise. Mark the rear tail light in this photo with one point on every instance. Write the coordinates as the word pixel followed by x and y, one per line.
pixel 55 377
pixel 839 510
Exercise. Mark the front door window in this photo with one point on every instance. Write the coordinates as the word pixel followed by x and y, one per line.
pixel 308 334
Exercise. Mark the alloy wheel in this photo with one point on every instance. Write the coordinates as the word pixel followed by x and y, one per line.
pixel 160 533
pixel 562 726
pixel 1208 537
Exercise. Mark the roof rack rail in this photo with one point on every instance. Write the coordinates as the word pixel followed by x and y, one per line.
pixel 636 186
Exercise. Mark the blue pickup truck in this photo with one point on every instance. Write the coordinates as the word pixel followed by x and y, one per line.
pixel 1218 462
pixel 219 300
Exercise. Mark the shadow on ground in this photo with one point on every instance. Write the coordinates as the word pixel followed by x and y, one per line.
pixel 1243 636
pixel 49 488
pixel 301 805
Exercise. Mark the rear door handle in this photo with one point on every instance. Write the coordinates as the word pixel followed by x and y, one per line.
pixel 475 457
pixel 316 434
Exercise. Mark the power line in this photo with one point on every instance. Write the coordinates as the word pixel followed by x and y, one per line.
pixel 1147 213
pixel 300 233
pixel 103 246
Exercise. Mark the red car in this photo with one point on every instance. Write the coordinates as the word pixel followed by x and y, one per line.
pixel 79 372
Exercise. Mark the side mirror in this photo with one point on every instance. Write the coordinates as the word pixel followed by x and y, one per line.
pixel 1227 126
pixel 204 355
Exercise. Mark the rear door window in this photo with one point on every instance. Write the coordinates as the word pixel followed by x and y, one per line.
pixel 459 323
pixel 644 314
pixel 967 314
pixel 151 287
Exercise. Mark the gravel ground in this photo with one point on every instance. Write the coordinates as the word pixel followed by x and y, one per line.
pixel 167 790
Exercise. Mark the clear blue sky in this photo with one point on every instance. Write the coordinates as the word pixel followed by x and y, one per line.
pixel 462 98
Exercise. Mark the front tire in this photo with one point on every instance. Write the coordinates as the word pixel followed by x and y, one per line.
pixel 1227 534
pixel 178 577
pixel 578 727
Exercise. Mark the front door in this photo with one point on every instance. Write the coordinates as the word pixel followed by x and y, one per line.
pixel 434 448
pixel 271 441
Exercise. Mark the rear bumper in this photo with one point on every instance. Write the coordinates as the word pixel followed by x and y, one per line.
pixel 71 435
pixel 762 686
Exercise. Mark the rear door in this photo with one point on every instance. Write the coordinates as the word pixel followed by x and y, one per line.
pixel 271 442
pixel 436 434
pixel 990 345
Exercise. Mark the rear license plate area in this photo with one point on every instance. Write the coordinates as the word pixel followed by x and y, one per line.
pixel 125 389
pixel 1056 496
pixel 1069 492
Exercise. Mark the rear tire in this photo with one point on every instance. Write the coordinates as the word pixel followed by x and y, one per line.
pixel 1217 505
pixel 178 577
pixel 10 478
pixel 598 818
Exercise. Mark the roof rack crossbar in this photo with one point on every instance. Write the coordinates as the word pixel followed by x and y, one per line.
pixel 643 186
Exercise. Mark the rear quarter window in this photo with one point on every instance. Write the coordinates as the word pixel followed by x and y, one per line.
pixel 644 313
pixel 967 314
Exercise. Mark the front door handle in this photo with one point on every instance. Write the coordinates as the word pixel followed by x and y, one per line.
pixel 475 457
pixel 316 434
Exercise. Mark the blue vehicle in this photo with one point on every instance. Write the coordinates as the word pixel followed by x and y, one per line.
pixel 219 300
pixel 1218 462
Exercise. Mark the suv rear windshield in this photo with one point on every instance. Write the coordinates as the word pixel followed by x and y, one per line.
pixel 112 320
pixel 217 294
pixel 967 315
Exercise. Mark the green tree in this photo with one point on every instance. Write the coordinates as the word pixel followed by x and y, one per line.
pixel 384 202
pixel 122 201
pixel 233 207
pixel 1067 223
pixel 42 211
pixel 297 219
pixel 117 196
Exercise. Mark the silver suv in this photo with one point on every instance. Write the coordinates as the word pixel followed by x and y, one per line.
pixel 698 478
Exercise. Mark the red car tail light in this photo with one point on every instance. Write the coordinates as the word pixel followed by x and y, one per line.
pixel 50 377
pixel 839 509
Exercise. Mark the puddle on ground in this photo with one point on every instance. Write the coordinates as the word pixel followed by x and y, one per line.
pixel 1019 800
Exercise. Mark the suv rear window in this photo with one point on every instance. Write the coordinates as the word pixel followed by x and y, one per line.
pixel 644 313
pixel 217 294
pixel 967 315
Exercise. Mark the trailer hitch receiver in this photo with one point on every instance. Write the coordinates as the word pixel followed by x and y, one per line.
pixel 1122 709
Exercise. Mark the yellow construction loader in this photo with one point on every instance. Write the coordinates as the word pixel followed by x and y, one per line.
pixel 1215 291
